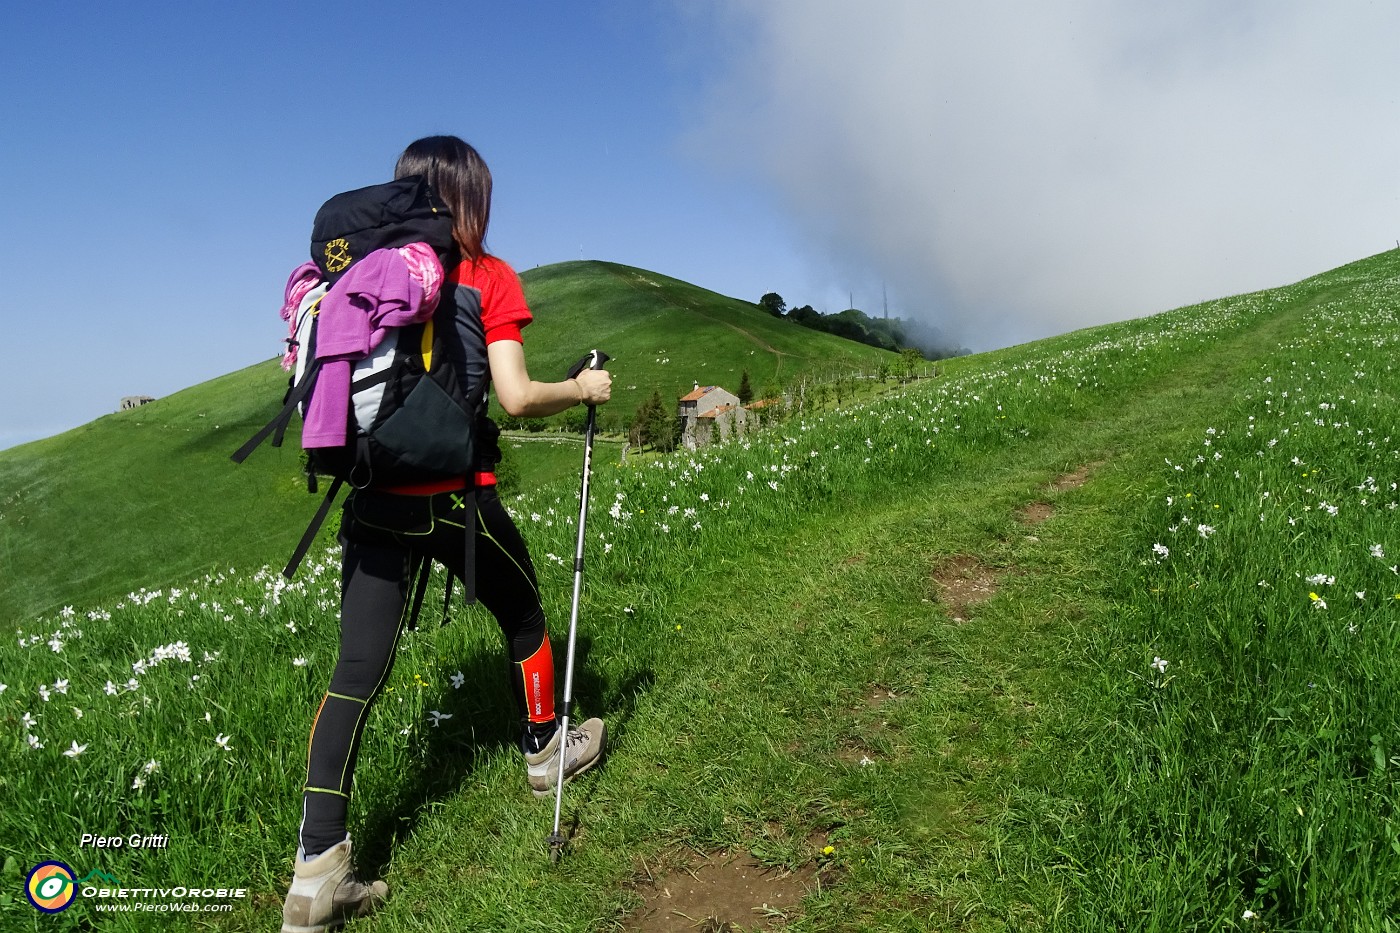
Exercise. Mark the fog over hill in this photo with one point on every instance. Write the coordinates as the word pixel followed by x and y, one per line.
pixel 1012 171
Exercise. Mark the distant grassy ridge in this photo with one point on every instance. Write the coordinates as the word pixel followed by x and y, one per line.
pixel 150 494
pixel 1113 738
pixel 668 335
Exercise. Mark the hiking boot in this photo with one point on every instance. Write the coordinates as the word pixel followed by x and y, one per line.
pixel 583 747
pixel 325 893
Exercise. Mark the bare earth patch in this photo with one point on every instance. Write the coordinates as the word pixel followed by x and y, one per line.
pixel 1035 513
pixel 859 751
pixel 720 893
pixel 878 696
pixel 1076 479
pixel 963 581
pixel 856 753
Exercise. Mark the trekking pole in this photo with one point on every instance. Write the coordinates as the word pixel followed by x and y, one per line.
pixel 557 840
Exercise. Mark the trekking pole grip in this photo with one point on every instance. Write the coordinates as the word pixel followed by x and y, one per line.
pixel 593 359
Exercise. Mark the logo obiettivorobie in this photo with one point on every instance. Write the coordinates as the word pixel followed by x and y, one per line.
pixel 51 887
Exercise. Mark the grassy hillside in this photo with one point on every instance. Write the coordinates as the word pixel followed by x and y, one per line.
pixel 666 334
pixel 1096 633
pixel 150 494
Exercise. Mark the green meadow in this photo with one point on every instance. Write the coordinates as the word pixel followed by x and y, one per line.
pixel 1092 633
pixel 148 496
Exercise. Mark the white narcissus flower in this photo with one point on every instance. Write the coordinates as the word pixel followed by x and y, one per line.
pixel 76 750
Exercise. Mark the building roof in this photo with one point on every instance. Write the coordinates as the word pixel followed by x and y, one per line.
pixel 717 410
pixel 698 394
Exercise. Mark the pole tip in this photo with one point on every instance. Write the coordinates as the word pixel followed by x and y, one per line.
pixel 556 841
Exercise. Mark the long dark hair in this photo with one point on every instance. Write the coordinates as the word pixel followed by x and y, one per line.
pixel 460 177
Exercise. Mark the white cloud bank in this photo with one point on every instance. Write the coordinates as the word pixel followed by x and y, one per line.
pixel 1015 170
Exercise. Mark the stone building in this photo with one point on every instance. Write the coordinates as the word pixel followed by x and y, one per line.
pixel 709 414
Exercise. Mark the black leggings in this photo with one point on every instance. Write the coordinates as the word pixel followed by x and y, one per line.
pixel 377 563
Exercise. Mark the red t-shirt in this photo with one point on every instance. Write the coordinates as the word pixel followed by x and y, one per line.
pixel 503 313
pixel 503 308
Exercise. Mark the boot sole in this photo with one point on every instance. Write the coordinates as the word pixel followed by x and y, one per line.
pixel 326 927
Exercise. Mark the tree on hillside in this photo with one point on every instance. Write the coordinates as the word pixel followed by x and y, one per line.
pixel 842 387
pixel 655 424
pixel 663 424
pixel 886 333
pixel 575 419
pixel 642 421
pixel 849 324
pixel 773 303
pixel 745 389
pixel 909 361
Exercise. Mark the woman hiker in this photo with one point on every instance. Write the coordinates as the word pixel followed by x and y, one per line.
pixel 376 562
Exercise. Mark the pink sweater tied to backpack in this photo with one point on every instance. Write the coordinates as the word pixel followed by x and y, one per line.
pixel 303 281
pixel 388 288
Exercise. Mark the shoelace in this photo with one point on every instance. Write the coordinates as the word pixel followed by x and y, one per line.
pixel 573 738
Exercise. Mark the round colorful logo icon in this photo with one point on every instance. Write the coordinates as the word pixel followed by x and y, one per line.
pixel 50 887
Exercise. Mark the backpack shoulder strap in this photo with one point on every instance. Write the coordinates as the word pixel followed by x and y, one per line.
pixel 317 521
pixel 301 387
pixel 277 427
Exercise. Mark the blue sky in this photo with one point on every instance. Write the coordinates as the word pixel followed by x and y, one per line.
pixel 1007 171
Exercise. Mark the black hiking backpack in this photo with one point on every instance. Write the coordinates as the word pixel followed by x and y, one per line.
pixel 417 400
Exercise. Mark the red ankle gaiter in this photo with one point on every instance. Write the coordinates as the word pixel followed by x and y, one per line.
pixel 536 684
